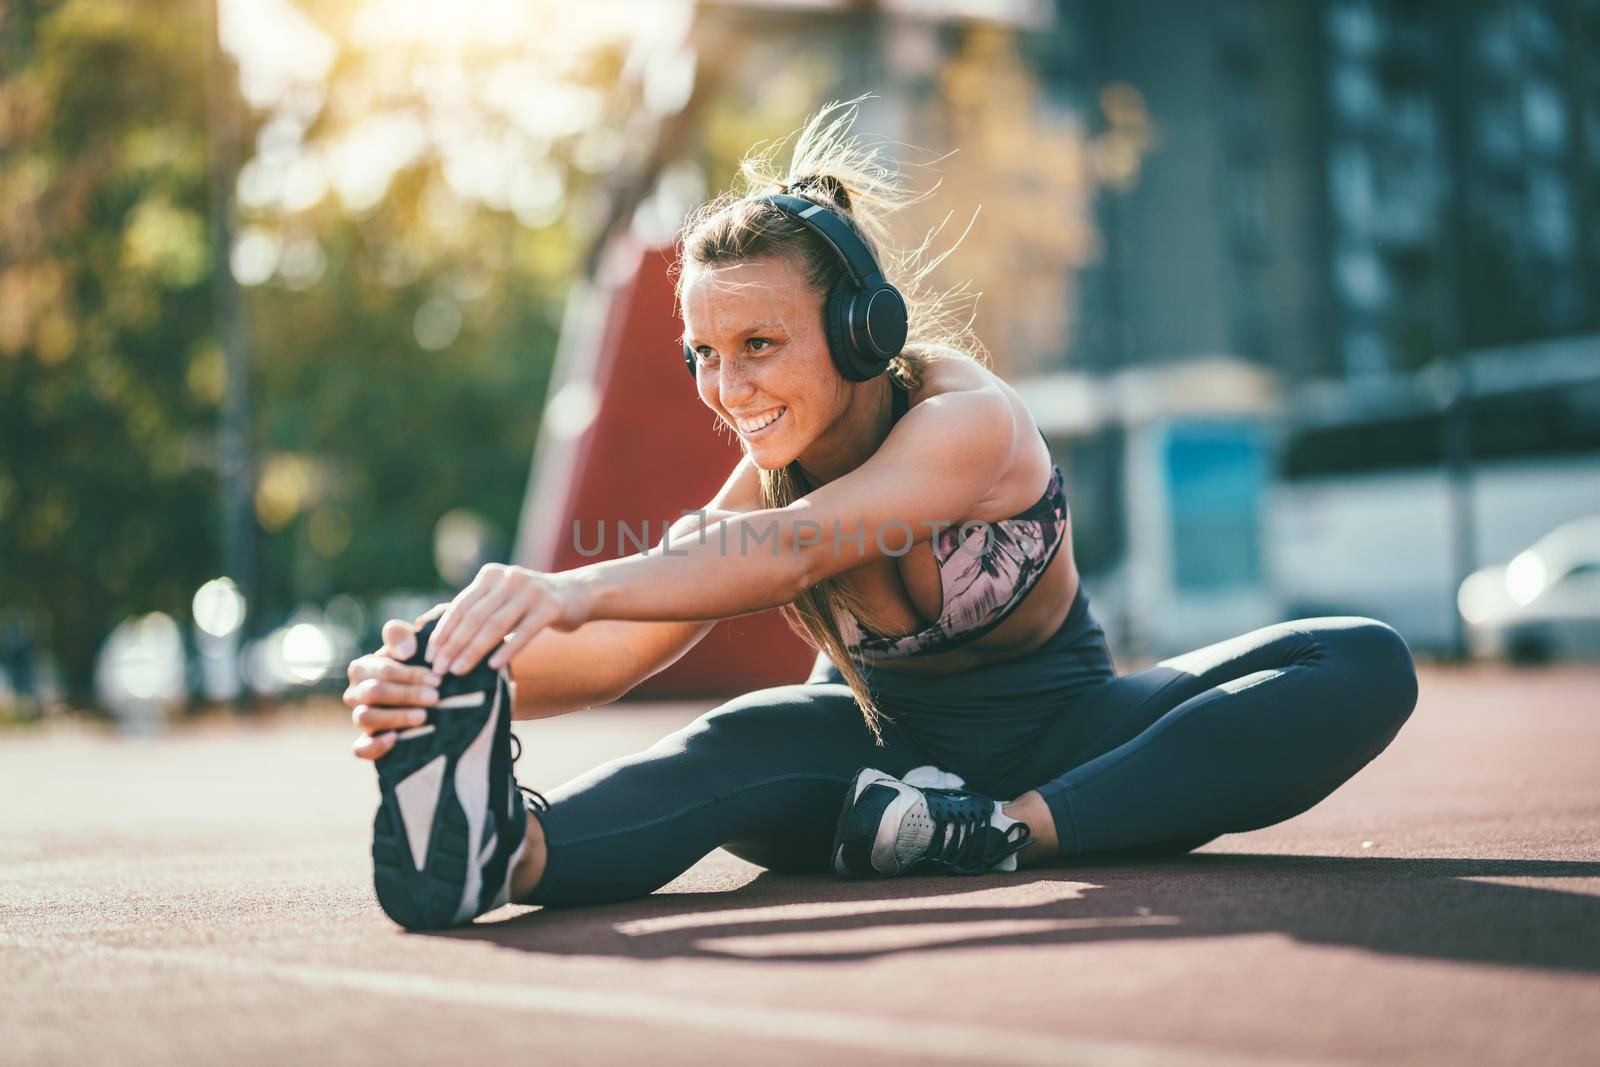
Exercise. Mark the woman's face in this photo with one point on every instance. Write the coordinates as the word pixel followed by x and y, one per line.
pixel 762 360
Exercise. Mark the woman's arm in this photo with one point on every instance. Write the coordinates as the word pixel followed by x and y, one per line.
pixel 940 462
pixel 935 469
pixel 597 663
pixel 736 565
pixel 561 671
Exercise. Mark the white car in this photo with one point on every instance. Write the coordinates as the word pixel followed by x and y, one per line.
pixel 1544 604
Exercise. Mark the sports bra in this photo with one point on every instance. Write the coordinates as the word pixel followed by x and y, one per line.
pixel 985 569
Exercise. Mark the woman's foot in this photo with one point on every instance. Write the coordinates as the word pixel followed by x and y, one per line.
pixel 888 827
pixel 451 823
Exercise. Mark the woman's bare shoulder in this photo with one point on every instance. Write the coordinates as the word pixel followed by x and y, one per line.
pixel 955 372
pixel 949 371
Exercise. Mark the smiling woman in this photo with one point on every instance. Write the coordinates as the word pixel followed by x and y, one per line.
pixel 891 488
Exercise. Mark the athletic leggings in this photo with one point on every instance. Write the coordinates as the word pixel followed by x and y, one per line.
pixel 1235 736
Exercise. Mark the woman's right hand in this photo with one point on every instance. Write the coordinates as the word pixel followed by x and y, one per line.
pixel 386 694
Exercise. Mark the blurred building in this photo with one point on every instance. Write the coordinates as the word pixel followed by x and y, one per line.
pixel 1344 188
pixel 1395 209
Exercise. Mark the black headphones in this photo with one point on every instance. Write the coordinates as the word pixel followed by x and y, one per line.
pixel 863 316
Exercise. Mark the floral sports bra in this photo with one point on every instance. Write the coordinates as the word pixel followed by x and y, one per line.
pixel 985 569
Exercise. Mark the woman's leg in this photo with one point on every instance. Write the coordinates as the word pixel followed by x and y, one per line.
pixel 1232 737
pixel 763 774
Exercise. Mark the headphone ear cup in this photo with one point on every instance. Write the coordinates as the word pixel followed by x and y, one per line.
pixel 855 365
pixel 834 325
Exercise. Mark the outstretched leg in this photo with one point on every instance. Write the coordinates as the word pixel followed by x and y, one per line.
pixel 1232 737
pixel 763 774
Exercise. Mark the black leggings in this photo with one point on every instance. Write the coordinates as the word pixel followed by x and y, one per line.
pixel 1232 737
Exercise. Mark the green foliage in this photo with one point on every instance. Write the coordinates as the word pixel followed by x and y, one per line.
pixel 111 366
pixel 105 491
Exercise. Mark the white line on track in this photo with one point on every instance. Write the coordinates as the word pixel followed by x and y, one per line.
pixel 900 1038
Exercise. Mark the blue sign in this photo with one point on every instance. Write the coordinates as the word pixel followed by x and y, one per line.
pixel 1217 474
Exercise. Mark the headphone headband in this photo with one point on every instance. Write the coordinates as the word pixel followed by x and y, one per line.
pixel 839 234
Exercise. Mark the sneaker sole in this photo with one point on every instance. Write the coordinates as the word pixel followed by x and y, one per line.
pixel 429 829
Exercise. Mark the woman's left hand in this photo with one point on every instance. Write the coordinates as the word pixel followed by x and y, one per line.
pixel 504 606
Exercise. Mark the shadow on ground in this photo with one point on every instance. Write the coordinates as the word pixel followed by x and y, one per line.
pixel 1426 908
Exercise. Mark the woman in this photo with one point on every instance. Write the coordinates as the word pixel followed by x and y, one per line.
pixel 897 501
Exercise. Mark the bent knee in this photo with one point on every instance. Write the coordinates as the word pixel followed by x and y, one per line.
pixel 1382 663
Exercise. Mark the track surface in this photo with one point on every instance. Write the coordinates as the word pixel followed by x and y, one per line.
pixel 206 897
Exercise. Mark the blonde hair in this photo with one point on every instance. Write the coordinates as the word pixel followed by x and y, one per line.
pixel 829 167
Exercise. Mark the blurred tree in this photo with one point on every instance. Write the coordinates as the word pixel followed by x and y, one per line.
pixel 1025 180
pixel 400 328
pixel 105 491
pixel 411 219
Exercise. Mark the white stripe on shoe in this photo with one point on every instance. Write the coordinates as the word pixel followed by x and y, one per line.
pixel 472 791
pixel 418 796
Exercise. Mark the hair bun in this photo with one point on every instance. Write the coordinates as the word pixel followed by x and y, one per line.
pixel 830 187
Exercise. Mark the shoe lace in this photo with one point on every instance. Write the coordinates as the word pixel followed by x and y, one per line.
pixel 961 842
pixel 533 797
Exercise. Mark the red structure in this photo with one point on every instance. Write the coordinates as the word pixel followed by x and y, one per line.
pixel 626 439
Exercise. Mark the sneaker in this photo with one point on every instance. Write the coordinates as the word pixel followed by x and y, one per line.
pixel 452 820
pixel 888 827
